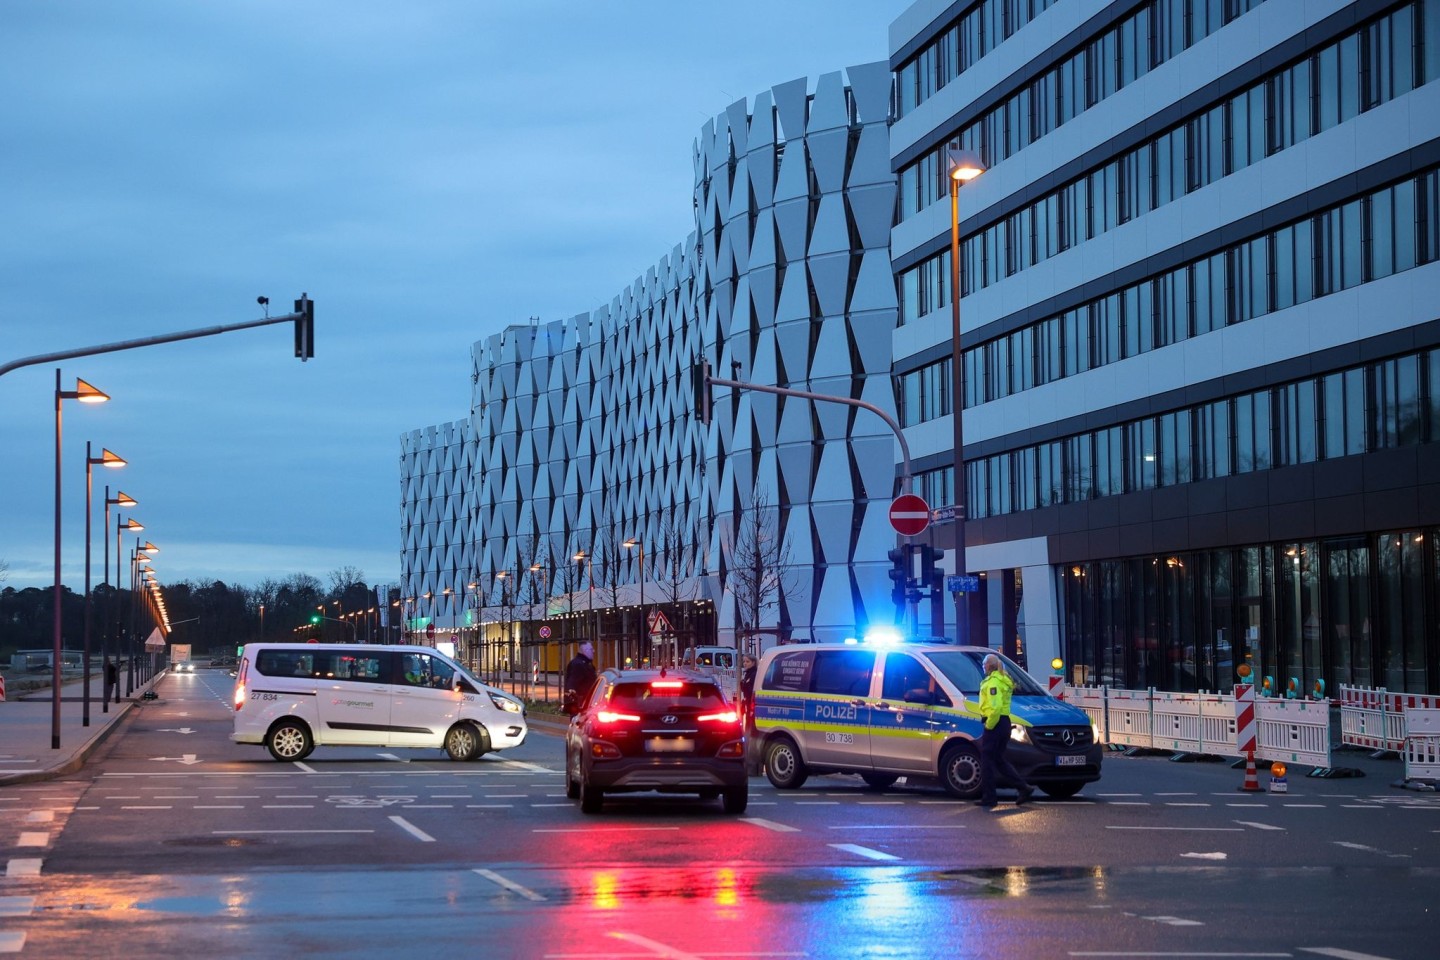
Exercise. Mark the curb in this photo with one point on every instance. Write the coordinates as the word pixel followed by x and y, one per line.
pixel 79 758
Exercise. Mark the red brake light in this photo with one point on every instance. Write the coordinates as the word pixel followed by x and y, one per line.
pixel 605 716
pixel 729 716
pixel 239 695
pixel 668 684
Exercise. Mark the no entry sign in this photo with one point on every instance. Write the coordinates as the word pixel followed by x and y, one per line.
pixel 909 515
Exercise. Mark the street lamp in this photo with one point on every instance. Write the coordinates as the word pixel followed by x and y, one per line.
pixel 964 165
pixel 122 499
pixel 634 544
pixel 85 393
pixel 106 459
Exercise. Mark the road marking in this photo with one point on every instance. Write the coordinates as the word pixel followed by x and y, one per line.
pixel 510 885
pixel 33 838
pixel 903 826
pixel 138 807
pixel 1198 856
pixel 817 803
pixel 219 806
pixel 521 765
pixel 16 906
pixel 1152 953
pixel 863 851
pixel 1360 806
pixel 770 825
pixel 391 756
pixel 1172 803
pixel 307 768
pixel 227 833
pixel 603 829
pixel 1183 829
pixel 505 796
pixel 413 830
pixel 1129 803
pixel 1361 846
pixel 536 806
pixel 491 806
pixel 1303 806
pixel 239 796
pixel 1189 793
pixel 175 796
pixel 282 806
pixel 1174 921
pixel 1258 826
pixel 1339 954
pixel 40 816
pixel 1119 794
pixel 1251 806
pixel 656 947
pixel 882 803
pixel 23 867
pixel 12 941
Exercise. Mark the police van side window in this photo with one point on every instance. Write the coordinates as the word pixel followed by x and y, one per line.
pixel 790 672
pixel 906 681
pixel 843 672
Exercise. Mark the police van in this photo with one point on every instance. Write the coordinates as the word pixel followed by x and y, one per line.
pixel 909 710
pixel 293 697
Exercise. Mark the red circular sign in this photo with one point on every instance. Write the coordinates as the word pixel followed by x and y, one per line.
pixel 909 514
pixel 429 629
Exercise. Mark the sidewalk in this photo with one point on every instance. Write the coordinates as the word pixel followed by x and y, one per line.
pixel 27 727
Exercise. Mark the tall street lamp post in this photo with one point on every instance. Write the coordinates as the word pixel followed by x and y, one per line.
pixel 964 165
pixel 130 523
pixel 106 459
pixel 124 500
pixel 85 393
pixel 634 544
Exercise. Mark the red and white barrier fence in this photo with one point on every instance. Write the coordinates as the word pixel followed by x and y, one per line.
pixel 1422 744
pixel 1374 718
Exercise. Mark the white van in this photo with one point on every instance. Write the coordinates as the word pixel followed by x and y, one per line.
pixel 294 697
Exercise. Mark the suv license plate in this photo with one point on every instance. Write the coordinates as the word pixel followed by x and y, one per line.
pixel 669 745
pixel 1070 760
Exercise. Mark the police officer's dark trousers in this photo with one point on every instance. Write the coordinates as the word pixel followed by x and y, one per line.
pixel 995 767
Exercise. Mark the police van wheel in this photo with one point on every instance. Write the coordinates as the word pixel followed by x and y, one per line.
pixel 783 766
pixel 462 742
pixel 879 781
pixel 960 771
pixel 289 740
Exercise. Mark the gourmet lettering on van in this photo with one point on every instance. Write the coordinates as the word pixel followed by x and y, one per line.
pixel 341 702
pixel 835 711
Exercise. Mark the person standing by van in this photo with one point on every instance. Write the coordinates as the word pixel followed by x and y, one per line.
pixel 580 678
pixel 995 768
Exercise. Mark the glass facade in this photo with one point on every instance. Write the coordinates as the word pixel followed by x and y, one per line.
pixel 1381 60
pixel 1388 403
pixel 1353 610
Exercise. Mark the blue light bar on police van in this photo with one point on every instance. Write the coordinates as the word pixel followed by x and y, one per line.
pixel 882 637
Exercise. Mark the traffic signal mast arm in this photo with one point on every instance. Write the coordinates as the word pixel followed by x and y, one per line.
pixel 303 317
pixel 905 480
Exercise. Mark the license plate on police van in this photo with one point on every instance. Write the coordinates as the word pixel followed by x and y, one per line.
pixel 669 745
pixel 1070 760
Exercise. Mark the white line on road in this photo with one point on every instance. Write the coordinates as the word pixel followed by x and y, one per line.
pixel 16 906
pixel 769 825
pixel 1339 954
pixel 391 756
pixel 903 826
pixel 863 851
pixel 1258 826
pixel 521 765
pixel 226 833
pixel 491 806
pixel 657 948
pixel 12 941
pixel 1119 794
pixel 603 829
pixel 1304 806
pixel 33 838
pixel 219 806
pixel 413 830
pixel 280 806
pixel 306 767
pixel 1152 953
pixel 23 867
pixel 166 807
pixel 1184 829
pixel 1129 803
pixel 40 816
pixel 882 803
pixel 1172 803
pixel 510 885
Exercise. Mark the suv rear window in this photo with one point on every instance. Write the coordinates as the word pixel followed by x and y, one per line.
pixel 644 698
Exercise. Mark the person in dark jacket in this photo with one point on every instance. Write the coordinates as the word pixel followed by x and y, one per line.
pixel 580 678
pixel 112 682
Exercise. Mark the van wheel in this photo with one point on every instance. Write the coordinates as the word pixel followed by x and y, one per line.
pixel 289 740
pixel 879 781
pixel 960 771
pixel 783 766
pixel 1063 790
pixel 462 742
pixel 591 798
pixel 735 801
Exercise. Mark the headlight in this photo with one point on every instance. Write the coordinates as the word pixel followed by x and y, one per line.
pixel 505 703
pixel 1018 734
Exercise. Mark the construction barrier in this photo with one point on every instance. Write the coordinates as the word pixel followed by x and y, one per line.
pixel 1293 731
pixel 1422 744
pixel 1372 718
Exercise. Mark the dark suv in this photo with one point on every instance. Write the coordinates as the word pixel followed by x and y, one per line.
pixel 644 730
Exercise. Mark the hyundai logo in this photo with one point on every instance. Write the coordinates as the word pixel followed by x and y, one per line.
pixel 669 718
pixel 1068 738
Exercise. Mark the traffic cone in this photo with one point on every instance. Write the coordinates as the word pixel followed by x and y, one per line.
pixel 1252 782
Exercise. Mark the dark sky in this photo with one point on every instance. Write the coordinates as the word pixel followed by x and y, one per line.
pixel 429 172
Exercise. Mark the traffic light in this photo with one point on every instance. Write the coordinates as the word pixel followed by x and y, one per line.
pixel 899 573
pixel 700 383
pixel 929 557
pixel 304 328
pixel 315 619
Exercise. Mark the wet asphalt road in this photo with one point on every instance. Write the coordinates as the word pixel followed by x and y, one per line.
pixel 173 842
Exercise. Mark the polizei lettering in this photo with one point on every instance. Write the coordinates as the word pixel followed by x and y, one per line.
pixel 834 711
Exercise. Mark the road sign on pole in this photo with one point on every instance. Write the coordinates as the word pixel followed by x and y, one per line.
pixel 909 514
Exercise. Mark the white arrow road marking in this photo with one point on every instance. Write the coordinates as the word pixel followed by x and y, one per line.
pixel 1205 856
pixel 769 824
pixel 510 885
pixel 1258 826
pixel 186 759
pixel 175 730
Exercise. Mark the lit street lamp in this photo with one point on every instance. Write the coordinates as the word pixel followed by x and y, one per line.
pixel 634 544
pixel 106 459
pixel 85 393
pixel 124 500
pixel 964 165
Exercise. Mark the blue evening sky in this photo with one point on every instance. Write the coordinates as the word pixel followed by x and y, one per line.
pixel 429 172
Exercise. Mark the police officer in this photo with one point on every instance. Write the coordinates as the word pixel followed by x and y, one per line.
pixel 580 678
pixel 995 768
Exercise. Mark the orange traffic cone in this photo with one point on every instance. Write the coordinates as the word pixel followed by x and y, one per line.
pixel 1252 782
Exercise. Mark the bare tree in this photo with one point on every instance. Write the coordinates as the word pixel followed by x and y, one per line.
pixel 760 565
pixel 4 570
pixel 677 570
pixel 341 578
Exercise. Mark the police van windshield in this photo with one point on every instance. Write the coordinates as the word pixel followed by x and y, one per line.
pixel 966 669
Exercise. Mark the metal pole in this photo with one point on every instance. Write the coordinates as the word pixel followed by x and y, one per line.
pixel 957 405
pixel 110 600
pixel 85 686
pixel 55 666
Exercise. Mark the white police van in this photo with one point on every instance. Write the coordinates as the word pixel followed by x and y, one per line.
pixel 293 697
pixel 908 710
